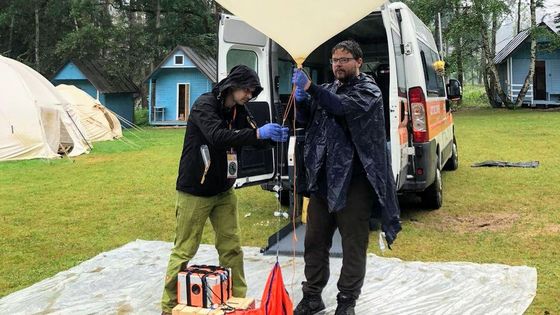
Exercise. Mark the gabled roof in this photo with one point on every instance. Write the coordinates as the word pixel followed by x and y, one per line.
pixel 514 43
pixel 100 79
pixel 207 65
pixel 511 46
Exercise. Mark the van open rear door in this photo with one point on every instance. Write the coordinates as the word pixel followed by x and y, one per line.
pixel 401 148
pixel 240 43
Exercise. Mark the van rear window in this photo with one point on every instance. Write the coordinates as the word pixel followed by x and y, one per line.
pixel 241 57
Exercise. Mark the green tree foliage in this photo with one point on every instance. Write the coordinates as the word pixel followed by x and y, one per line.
pixel 89 34
pixel 469 30
pixel 459 35
pixel 128 37
pixel 549 41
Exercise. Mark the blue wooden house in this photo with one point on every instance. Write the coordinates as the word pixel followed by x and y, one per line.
pixel 513 65
pixel 115 93
pixel 176 83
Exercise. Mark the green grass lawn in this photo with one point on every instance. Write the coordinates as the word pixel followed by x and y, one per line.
pixel 55 214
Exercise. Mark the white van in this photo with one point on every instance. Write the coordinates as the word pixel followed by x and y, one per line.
pixel 399 53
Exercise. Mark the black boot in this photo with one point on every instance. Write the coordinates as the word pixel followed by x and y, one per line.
pixel 345 305
pixel 309 305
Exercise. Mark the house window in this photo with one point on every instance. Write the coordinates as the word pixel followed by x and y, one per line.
pixel 179 60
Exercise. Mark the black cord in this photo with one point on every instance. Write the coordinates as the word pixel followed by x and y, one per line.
pixel 230 309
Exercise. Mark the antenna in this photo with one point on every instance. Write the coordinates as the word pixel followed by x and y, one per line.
pixel 439 36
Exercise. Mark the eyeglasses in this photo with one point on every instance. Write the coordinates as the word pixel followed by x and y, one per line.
pixel 340 60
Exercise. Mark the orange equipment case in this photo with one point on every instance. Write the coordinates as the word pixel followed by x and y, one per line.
pixel 204 285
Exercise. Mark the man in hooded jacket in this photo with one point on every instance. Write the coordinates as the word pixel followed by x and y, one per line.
pixel 220 121
pixel 349 175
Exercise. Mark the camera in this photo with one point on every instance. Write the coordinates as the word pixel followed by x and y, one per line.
pixel 232 169
pixel 232 165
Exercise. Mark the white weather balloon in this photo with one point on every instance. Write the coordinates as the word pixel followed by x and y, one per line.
pixel 300 26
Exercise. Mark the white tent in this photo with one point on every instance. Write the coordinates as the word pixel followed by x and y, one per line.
pixel 100 123
pixel 35 121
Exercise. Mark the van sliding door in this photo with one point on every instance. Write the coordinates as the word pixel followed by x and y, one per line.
pixel 239 43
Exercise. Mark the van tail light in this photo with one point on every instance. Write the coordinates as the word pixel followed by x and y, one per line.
pixel 418 108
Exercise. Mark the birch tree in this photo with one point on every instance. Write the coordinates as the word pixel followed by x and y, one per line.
pixel 529 77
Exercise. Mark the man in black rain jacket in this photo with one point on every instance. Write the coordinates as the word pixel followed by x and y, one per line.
pixel 219 122
pixel 349 175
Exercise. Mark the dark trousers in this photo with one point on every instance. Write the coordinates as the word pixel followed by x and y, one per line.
pixel 353 224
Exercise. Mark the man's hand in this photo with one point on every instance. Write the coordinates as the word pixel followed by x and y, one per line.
pixel 300 79
pixel 300 95
pixel 273 131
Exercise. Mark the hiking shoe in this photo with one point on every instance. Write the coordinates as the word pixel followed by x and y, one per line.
pixel 345 305
pixel 309 305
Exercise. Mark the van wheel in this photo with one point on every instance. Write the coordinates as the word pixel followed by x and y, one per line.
pixel 432 197
pixel 453 162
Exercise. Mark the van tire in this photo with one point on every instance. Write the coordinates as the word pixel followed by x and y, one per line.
pixel 432 197
pixel 453 162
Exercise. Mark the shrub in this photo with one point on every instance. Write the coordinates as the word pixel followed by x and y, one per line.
pixel 141 117
pixel 474 96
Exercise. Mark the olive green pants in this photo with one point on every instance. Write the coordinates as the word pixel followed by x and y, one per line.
pixel 192 213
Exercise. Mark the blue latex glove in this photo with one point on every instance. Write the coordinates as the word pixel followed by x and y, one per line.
pixel 300 79
pixel 300 95
pixel 273 131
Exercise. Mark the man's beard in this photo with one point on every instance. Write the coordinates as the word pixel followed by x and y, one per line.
pixel 345 76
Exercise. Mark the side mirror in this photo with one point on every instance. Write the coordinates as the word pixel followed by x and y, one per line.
pixel 454 90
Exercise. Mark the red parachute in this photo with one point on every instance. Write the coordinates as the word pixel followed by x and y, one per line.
pixel 275 299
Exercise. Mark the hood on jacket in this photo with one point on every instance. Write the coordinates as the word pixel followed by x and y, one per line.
pixel 240 77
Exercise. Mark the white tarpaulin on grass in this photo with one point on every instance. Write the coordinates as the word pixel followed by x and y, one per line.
pixel 129 280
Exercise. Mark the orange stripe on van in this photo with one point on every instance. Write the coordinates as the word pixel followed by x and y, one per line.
pixel 438 119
